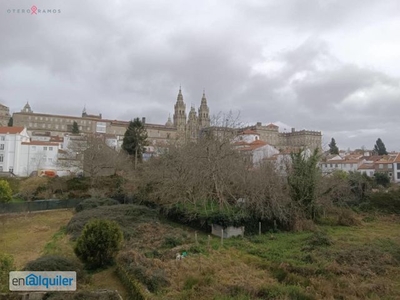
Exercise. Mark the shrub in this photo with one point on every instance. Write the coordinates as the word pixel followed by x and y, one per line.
pixel 56 263
pixel 171 242
pixel 382 179
pixel 93 203
pixel 347 218
pixel 99 243
pixel 318 239
pixel 31 187
pixel 5 191
pixel 144 270
pixel 6 265
pixel 386 202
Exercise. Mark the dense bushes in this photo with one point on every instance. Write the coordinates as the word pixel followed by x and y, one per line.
pixel 144 270
pixel 127 216
pixel 99 243
pixel 56 263
pixel 30 188
pixel 93 203
pixel 388 202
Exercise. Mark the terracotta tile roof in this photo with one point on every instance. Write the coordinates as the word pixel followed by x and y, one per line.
pixel 258 142
pixel 397 159
pixel 272 125
pixel 56 139
pixel 343 161
pixel 366 166
pixel 39 143
pixel 11 130
pixel 248 131
pixel 251 147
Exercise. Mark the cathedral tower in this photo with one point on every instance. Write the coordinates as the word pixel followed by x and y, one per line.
pixel 192 126
pixel 204 113
pixel 180 113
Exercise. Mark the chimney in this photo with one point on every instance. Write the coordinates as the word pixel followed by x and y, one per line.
pixel 143 120
pixel 293 129
pixel 258 124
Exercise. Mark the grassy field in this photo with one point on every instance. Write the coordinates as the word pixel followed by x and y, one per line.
pixel 25 235
pixel 332 262
pixel 29 236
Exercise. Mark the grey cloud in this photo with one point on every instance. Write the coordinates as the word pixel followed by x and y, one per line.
pixel 127 59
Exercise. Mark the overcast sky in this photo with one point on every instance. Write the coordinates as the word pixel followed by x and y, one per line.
pixel 325 65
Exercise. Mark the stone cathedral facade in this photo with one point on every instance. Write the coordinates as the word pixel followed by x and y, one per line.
pixel 190 125
pixel 183 126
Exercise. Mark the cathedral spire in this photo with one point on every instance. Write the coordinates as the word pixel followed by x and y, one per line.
pixel 180 112
pixel 204 111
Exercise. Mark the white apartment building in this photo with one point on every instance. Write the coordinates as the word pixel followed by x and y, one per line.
pixel 11 139
pixel 21 156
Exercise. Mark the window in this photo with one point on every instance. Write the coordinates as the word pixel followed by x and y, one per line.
pixel 336 165
pixel 380 166
pixel 390 166
pixel 398 166
pixel 1 157
pixel 1 146
pixel 11 169
pixel 50 148
pixel 398 175
pixel 45 148
pixel 3 138
pixel 330 165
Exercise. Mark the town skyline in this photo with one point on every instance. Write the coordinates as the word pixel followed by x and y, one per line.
pixel 323 66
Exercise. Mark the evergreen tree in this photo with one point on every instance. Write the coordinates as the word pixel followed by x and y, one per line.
pixel 302 181
pixel 75 128
pixel 135 139
pixel 380 148
pixel 333 149
pixel 10 122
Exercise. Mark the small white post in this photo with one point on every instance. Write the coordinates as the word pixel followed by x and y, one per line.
pixel 222 237
pixel 259 228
